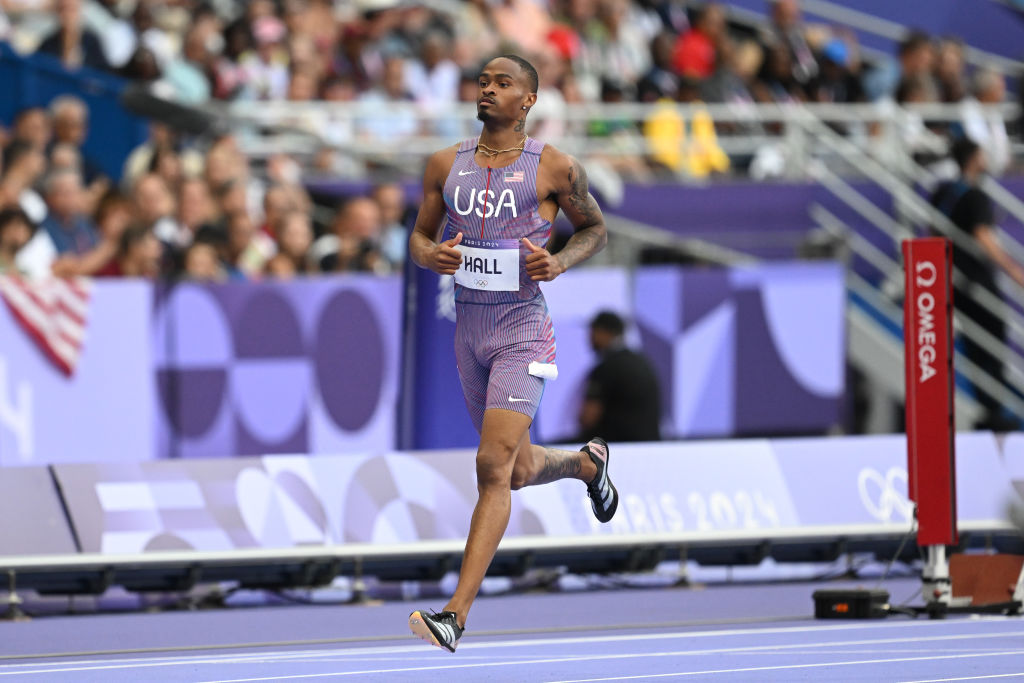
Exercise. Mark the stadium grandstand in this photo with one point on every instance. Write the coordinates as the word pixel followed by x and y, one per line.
pixel 233 438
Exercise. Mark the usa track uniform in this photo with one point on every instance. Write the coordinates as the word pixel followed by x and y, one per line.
pixel 502 321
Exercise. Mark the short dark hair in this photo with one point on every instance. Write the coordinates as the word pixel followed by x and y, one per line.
pixel 914 40
pixel 13 215
pixel 962 150
pixel 15 151
pixel 608 321
pixel 531 74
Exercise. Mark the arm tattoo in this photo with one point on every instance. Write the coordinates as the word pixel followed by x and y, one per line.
pixel 590 236
pixel 521 125
pixel 558 465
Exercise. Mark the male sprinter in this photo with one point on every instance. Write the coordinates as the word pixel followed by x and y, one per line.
pixel 500 194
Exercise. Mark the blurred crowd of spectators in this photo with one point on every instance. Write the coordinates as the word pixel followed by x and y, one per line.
pixel 177 211
pixel 202 211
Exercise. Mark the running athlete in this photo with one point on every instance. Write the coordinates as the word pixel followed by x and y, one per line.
pixel 497 197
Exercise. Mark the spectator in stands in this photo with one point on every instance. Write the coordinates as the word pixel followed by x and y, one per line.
pixel 353 244
pixel 71 41
pixel 32 125
pixel 70 117
pixel 202 260
pixel 950 69
pixel 142 66
pixel 139 254
pixel 187 73
pixel 243 253
pixel 266 68
pixel 788 31
pixel 622 397
pixel 915 60
pixel 66 223
pixel 24 164
pixel 660 81
pixel 294 238
pixel 925 146
pixel 696 51
pixel 434 77
pixel 615 49
pixel 382 114
pixel 166 164
pixel 277 202
pixel 154 209
pixel 390 198
pixel 775 82
pixel 836 82
pixel 15 232
pixel 195 207
pixel 970 211
pixel 229 77
pixel 733 79
pixel 112 218
pixel 983 122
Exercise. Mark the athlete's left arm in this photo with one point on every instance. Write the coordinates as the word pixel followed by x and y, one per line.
pixel 572 192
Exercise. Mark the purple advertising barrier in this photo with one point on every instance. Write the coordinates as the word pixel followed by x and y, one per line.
pixel 308 366
pixel 698 489
pixel 756 350
pixel 284 501
pixel 863 479
pixel 33 519
pixel 105 410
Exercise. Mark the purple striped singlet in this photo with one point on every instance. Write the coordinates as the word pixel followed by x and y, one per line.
pixel 498 333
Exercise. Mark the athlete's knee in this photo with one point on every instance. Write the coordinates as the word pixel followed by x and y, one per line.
pixel 495 463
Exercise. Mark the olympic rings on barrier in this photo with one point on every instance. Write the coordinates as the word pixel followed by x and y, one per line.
pixel 880 496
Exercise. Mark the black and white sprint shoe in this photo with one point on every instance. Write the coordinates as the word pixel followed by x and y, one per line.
pixel 604 498
pixel 437 628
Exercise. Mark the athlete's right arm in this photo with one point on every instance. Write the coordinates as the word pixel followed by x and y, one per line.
pixel 424 249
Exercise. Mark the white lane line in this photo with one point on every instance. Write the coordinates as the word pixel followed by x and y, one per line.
pixel 970 678
pixel 266 658
pixel 533 642
pixel 893 660
pixel 644 655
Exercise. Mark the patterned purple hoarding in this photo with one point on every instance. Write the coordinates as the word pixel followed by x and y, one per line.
pixel 700 488
pixel 32 519
pixel 309 366
pixel 106 410
pixel 758 350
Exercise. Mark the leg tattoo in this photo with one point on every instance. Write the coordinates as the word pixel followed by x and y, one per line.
pixel 559 465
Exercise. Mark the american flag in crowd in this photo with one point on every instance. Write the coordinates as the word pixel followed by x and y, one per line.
pixel 53 312
pixel 513 176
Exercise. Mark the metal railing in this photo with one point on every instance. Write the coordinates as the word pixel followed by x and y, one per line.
pixel 404 134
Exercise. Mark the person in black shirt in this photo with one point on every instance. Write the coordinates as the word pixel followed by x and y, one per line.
pixel 622 401
pixel 970 210
pixel 71 41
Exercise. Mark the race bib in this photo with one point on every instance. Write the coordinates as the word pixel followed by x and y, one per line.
pixel 490 265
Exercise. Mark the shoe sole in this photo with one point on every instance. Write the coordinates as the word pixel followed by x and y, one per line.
pixel 418 625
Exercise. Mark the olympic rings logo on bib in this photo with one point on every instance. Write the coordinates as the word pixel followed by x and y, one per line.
pixel 498 260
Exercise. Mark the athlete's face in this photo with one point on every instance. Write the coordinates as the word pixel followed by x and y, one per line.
pixel 502 92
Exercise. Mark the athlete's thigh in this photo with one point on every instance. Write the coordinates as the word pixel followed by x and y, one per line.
pixel 474 377
pixel 511 386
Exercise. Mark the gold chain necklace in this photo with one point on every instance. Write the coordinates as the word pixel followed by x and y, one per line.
pixel 491 152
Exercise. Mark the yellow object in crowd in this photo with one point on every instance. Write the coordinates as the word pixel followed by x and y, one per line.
pixel 665 130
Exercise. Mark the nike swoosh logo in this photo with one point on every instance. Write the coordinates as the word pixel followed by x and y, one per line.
pixel 466 172
pixel 518 400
